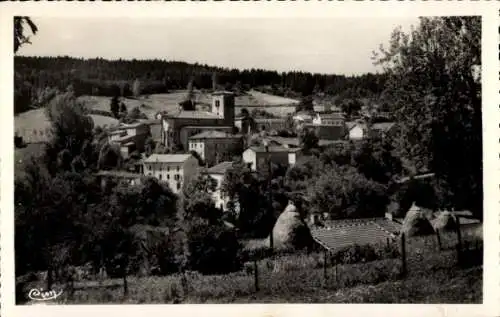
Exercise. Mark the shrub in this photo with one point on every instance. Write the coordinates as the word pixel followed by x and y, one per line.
pixel 213 248
pixel 365 253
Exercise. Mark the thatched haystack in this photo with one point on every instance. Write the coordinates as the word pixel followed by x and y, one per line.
pixel 444 221
pixel 416 222
pixel 290 230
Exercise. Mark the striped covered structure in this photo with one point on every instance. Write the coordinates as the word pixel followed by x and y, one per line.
pixel 340 234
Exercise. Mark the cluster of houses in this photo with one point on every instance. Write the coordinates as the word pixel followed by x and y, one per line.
pixel 217 136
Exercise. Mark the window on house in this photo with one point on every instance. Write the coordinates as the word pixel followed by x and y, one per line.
pixel 178 185
pixel 160 177
pixel 178 168
pixel 217 103
pixel 168 176
pixel 149 167
pixel 168 168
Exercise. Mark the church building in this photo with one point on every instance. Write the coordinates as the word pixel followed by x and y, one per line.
pixel 179 126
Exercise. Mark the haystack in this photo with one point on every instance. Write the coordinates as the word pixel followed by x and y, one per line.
pixel 444 221
pixel 416 222
pixel 290 230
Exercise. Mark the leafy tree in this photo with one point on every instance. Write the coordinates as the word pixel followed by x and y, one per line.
pixel 71 129
pixel 434 85
pixel 345 193
pixel 308 140
pixel 376 159
pixel 351 107
pixel 114 106
pixel 123 108
pixel 20 37
pixel 109 157
pixel 305 104
pixel 213 248
pixel 198 199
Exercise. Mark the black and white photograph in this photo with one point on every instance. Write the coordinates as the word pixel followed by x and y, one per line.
pixel 219 160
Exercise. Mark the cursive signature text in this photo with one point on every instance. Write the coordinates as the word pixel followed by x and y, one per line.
pixel 39 294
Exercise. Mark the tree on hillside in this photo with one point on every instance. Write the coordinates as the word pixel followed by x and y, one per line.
pixel 308 140
pixel 214 81
pixel 114 106
pixel 71 127
pixel 351 107
pixel 434 85
pixel 305 104
pixel 20 36
pixel 123 108
pixel 136 88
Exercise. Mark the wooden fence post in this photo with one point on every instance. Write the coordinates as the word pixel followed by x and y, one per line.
pixel 403 255
pixel 184 281
pixel 256 275
pixel 325 263
pixel 125 285
pixel 336 272
pixel 438 240
pixel 459 241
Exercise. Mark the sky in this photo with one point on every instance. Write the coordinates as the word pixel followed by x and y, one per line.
pixel 320 45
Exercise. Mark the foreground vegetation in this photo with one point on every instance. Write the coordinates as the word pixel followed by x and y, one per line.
pixel 433 276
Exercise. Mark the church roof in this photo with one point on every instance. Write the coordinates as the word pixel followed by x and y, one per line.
pixel 214 134
pixel 185 114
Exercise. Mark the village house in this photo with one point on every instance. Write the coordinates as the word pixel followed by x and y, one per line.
pixel 173 169
pixel 216 146
pixel 258 157
pixel 132 179
pixel 130 137
pixel 179 126
pixel 271 124
pixel 302 117
pixel 217 172
pixel 360 131
pixel 332 118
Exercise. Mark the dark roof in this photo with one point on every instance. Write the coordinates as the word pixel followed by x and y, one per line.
pixel 193 115
pixel 120 174
pixel 271 148
pixel 334 115
pixel 284 140
pixel 214 134
pixel 223 92
pixel 383 126
pixel 220 168
pixel 167 158
pixel 264 120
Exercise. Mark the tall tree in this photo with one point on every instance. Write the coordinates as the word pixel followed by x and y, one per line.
pixel 136 88
pixel 114 106
pixel 434 84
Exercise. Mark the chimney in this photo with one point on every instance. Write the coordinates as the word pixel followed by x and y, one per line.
pixel 388 216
